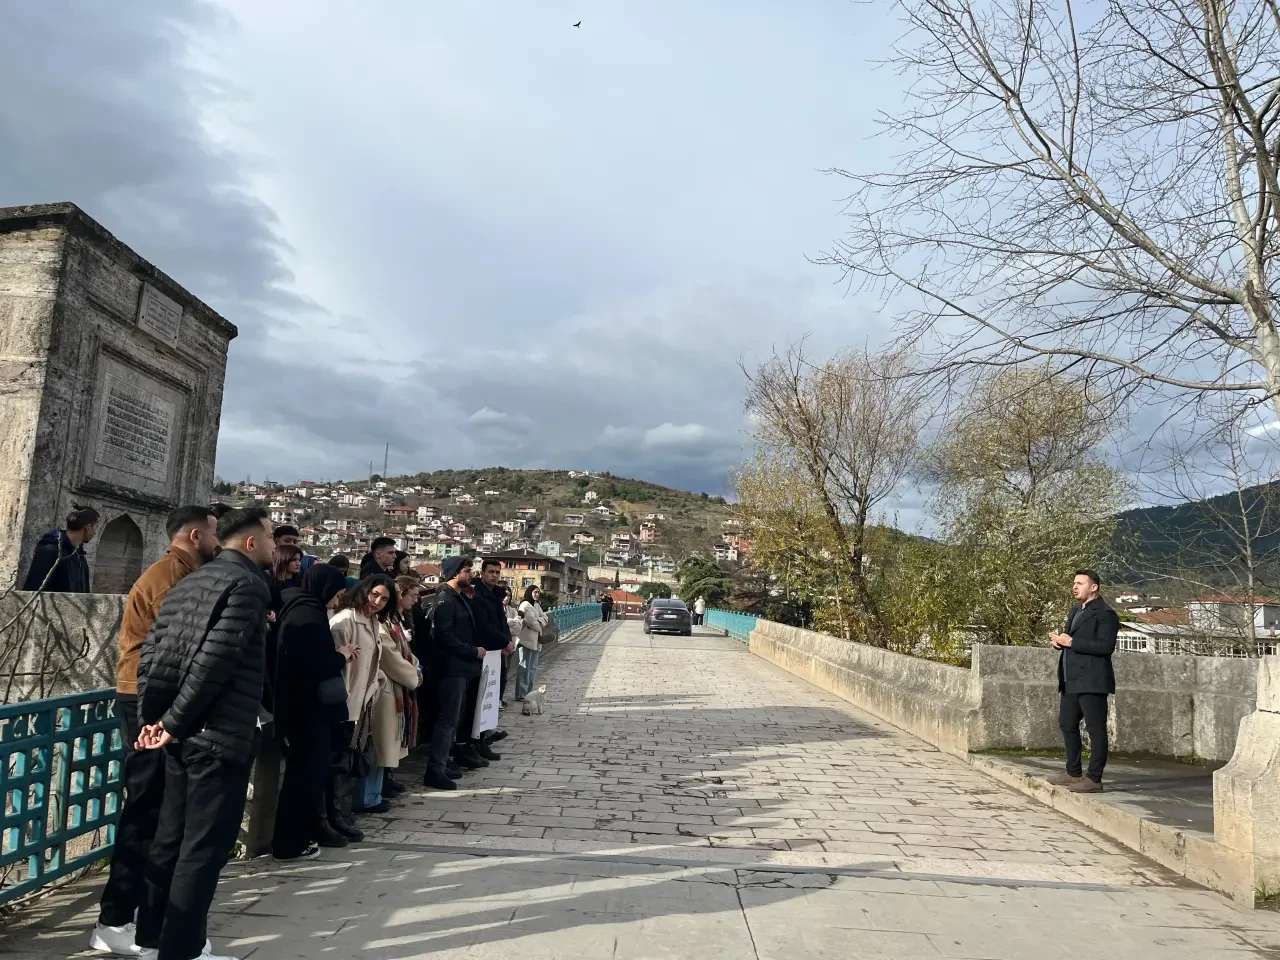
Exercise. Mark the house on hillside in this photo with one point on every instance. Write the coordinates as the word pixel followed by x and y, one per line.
pixel 616 558
pixel 399 513
pixel 575 519
pixel 582 536
pixel 492 493
pixel 550 548
pixel 590 497
pixel 648 532
pixel 493 540
pixel 527 512
pixel 427 513
pixel 525 568
pixel 1234 613
pixel 465 498
pixel 513 526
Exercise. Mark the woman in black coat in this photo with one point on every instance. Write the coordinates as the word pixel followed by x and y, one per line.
pixel 310 701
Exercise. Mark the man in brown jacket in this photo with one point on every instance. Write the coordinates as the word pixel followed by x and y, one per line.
pixel 193 541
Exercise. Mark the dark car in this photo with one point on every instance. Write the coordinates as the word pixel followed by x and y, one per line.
pixel 668 616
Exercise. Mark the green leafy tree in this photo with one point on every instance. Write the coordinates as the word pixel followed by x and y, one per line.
pixel 655 588
pixel 1025 496
pixel 704 578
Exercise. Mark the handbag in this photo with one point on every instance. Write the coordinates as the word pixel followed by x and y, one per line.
pixel 364 759
pixel 332 692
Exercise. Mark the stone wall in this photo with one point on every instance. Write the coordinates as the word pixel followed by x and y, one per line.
pixel 111 379
pixel 53 644
pixel 934 701
pixel 1165 705
pixel 1170 706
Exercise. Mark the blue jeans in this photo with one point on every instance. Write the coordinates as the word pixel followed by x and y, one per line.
pixel 526 672
pixel 368 792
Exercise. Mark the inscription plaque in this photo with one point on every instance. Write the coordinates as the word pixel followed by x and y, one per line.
pixel 136 430
pixel 137 425
pixel 159 316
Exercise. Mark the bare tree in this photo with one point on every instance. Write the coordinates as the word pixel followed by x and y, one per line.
pixel 1225 544
pixel 850 427
pixel 1091 182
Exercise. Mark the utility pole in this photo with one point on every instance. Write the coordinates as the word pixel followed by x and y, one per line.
pixel 386 452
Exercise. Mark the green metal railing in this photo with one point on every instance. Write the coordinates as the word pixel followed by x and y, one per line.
pixel 572 616
pixel 61 782
pixel 733 623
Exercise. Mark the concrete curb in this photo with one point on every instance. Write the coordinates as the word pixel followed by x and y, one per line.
pixel 1191 856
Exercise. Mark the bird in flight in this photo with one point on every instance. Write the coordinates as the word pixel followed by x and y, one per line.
pixel 578 24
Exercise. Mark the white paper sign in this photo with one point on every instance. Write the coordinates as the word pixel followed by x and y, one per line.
pixel 488 700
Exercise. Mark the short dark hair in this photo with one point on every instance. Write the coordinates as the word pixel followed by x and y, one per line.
pixel 286 530
pixel 489 562
pixel 239 521
pixel 340 561
pixel 1092 575
pixel 80 517
pixel 220 510
pixel 381 543
pixel 184 517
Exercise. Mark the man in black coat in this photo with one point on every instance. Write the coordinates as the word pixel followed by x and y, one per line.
pixel 59 564
pixel 1085 680
pixel 199 689
pixel 459 655
pixel 492 634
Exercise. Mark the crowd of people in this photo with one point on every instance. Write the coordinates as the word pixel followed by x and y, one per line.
pixel 236 634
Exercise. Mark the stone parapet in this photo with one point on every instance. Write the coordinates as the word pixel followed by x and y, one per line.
pixel 1246 792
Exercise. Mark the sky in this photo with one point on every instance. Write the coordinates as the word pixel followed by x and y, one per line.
pixel 468 230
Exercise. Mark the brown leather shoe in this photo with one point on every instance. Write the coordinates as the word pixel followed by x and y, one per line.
pixel 1085 785
pixel 1063 779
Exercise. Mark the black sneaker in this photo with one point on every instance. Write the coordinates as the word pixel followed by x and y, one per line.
pixel 311 852
pixel 497 736
pixel 452 771
pixel 348 830
pixel 326 836
pixel 485 753
pixel 392 788
pixel 382 807
pixel 437 782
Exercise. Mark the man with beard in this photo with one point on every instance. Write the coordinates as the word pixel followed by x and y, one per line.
pixel 193 542
pixel 492 633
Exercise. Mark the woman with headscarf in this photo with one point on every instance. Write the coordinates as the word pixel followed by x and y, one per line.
pixel 310 703
pixel 359 623
pixel 395 716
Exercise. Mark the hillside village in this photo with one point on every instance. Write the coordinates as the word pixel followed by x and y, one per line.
pixel 585 532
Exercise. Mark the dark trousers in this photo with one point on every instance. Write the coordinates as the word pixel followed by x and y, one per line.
pixel 199 822
pixel 301 809
pixel 604 614
pixel 450 693
pixel 1092 708
pixel 143 777
pixel 466 715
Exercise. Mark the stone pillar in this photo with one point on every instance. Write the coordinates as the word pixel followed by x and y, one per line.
pixel 1246 792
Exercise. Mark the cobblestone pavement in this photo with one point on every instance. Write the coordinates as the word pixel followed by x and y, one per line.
pixel 681 798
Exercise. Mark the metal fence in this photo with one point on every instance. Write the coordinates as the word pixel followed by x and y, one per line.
pixel 573 616
pixel 61 780
pixel 733 623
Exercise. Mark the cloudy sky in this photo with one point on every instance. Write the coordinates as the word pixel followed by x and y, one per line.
pixel 467 229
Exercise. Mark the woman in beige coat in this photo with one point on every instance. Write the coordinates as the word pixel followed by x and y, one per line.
pixel 533 620
pixel 396 710
pixel 358 626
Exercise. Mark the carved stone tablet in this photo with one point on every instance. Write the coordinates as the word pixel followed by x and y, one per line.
pixel 136 430
pixel 159 316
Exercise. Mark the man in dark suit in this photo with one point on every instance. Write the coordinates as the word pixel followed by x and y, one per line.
pixel 1085 680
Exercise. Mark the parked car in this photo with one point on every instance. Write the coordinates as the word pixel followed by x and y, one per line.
pixel 668 616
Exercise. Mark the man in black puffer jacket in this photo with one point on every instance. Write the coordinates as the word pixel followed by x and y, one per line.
pixel 199 690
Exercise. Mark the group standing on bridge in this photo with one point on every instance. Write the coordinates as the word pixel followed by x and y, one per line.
pixel 235 630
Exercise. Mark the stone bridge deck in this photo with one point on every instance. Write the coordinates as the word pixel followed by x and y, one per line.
pixel 682 798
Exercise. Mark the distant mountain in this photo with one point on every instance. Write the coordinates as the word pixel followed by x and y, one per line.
pixel 1210 536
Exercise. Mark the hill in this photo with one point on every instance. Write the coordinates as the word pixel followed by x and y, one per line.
pixel 599 518
pixel 1214 538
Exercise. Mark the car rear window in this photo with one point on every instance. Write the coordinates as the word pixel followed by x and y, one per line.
pixel 670 604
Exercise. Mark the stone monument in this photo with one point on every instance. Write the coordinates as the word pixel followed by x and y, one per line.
pixel 110 392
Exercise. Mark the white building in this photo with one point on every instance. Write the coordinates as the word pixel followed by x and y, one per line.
pixel 590 497
pixel 1228 613
pixel 550 548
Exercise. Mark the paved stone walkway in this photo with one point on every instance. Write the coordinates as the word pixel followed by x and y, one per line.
pixel 681 798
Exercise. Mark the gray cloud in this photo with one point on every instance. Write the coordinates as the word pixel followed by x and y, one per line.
pixel 475 248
